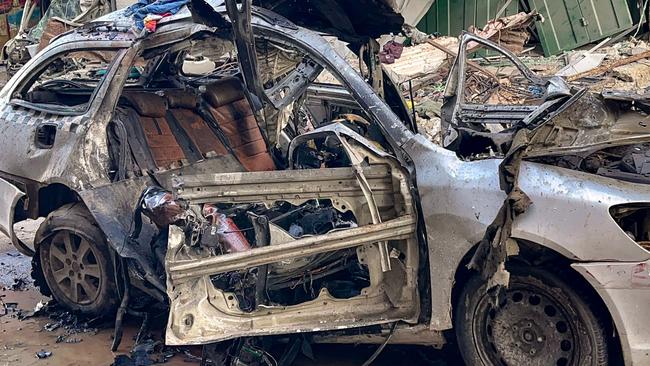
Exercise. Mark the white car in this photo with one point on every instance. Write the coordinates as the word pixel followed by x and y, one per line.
pixel 286 206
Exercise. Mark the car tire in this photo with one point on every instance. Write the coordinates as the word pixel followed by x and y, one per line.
pixel 75 262
pixel 539 320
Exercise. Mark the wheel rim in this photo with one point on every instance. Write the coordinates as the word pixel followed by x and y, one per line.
pixel 529 327
pixel 74 267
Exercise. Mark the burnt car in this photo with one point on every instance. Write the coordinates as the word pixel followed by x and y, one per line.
pixel 204 166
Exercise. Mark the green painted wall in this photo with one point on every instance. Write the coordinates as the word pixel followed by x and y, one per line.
pixel 564 24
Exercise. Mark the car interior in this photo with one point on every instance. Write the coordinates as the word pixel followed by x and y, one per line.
pixel 191 107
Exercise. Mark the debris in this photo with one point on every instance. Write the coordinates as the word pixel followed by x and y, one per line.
pixel 43 354
pixel 60 16
pixel 470 63
pixel 431 128
pixel 64 339
pixel 509 32
pixel 51 327
pixel 143 8
pixel 53 27
pixel 36 311
pixel 582 63
pixel 250 354
pixel 20 284
pixel 610 66
pixel 415 35
pixel 381 347
pixel 8 307
pixel 225 230
pixel 61 319
pixel 421 63
pixel 159 205
pixel 151 21
pixel 40 305
pixel 147 352
pixel 391 52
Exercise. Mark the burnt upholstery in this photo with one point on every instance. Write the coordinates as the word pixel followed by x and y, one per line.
pixel 182 107
pixel 150 109
pixel 228 105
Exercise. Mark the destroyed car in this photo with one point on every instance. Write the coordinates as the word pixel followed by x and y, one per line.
pixel 205 167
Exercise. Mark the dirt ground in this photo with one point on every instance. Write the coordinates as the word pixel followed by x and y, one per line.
pixel 20 340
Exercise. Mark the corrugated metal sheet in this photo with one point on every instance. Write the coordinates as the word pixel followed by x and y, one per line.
pixel 565 24
pixel 451 17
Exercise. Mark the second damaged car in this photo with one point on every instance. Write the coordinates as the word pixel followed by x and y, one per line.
pixel 205 166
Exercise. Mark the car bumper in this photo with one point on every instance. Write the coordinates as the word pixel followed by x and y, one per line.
pixel 625 289
pixel 9 198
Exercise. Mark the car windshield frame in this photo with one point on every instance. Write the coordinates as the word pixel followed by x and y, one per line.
pixel 313 44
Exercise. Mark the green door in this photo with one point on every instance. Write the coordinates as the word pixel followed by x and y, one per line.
pixel 563 25
pixel 567 24
pixel 451 17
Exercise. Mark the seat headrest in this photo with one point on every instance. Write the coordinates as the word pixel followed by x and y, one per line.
pixel 224 91
pixel 147 104
pixel 181 99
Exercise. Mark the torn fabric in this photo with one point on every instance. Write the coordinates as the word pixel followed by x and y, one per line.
pixel 142 8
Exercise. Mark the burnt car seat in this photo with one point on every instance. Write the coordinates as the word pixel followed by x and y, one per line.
pixel 182 111
pixel 150 110
pixel 229 107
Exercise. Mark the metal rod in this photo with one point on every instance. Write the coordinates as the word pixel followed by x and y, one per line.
pixel 396 229
pixel 414 122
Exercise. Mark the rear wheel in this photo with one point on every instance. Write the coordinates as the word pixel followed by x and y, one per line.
pixel 75 261
pixel 539 321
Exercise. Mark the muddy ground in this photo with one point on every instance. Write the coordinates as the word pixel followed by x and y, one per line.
pixel 21 340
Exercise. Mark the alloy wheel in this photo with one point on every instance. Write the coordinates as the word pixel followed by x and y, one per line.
pixel 74 267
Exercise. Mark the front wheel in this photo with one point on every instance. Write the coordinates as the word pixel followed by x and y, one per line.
pixel 540 321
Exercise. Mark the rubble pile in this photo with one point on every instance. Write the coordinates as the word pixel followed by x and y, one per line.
pixel 423 68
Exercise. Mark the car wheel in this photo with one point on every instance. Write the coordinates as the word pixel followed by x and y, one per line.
pixel 75 261
pixel 540 320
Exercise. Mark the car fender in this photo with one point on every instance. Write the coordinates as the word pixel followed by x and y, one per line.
pixel 461 198
pixel 570 213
